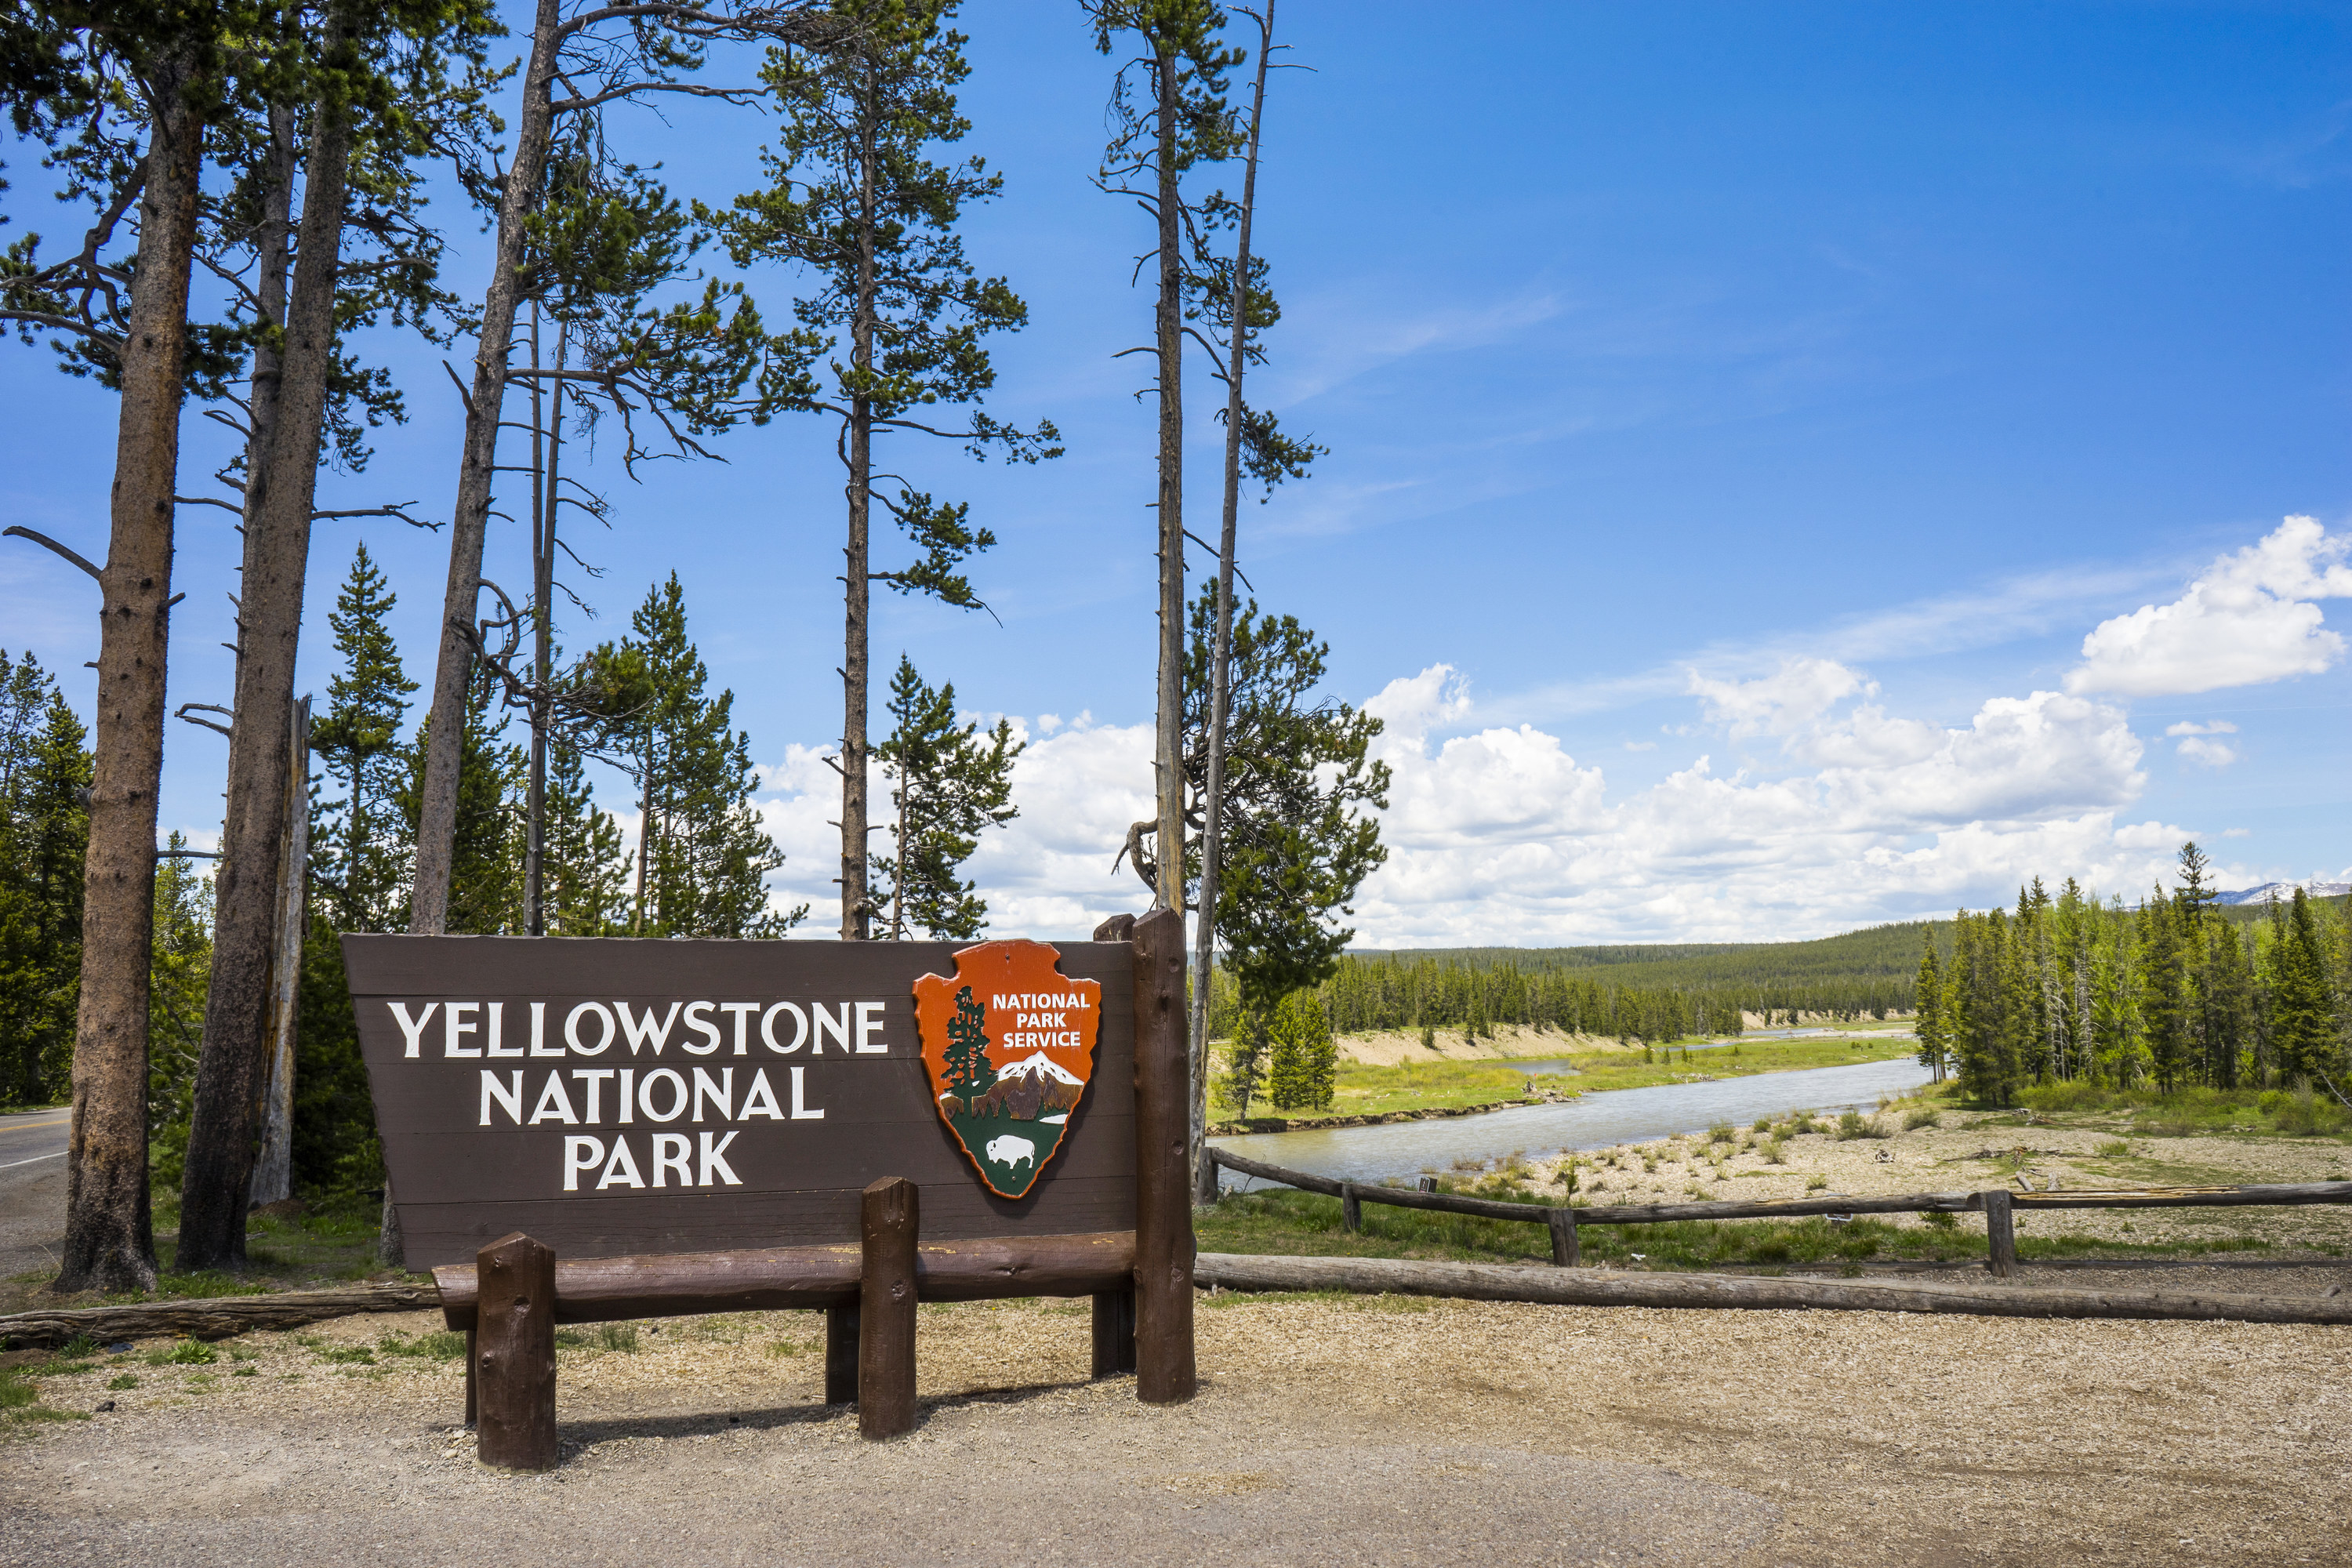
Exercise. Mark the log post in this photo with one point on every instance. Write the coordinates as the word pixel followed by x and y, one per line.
pixel 1562 1221
pixel 515 1359
pixel 2000 1231
pixel 1114 1331
pixel 473 1400
pixel 1352 1209
pixel 841 1355
pixel 888 1219
pixel 1165 1371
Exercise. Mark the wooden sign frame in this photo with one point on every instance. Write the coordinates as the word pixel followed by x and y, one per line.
pixel 847 1155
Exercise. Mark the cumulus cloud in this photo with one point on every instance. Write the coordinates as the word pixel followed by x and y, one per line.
pixel 2217 726
pixel 1792 697
pixel 2246 619
pixel 2210 753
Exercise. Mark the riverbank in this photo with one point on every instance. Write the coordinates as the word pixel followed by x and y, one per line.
pixel 1942 1148
pixel 1371 1095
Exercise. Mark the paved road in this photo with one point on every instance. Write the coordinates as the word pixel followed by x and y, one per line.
pixel 32 1191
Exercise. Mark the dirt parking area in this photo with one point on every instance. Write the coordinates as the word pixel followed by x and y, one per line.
pixel 1353 1431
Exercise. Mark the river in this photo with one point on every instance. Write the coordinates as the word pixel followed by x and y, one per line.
pixel 1597 1121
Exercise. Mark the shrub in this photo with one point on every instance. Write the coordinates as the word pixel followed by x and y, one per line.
pixel 1940 1220
pixel 1803 1122
pixel 182 1353
pixel 1776 1151
pixel 1854 1124
pixel 2114 1149
pixel 1719 1133
pixel 1817 1182
pixel 1763 1124
pixel 122 1381
pixel 1914 1120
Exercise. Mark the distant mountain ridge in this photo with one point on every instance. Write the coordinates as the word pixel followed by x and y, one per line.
pixel 2285 891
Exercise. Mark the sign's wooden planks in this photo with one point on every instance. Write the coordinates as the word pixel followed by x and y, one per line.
pixel 612 1096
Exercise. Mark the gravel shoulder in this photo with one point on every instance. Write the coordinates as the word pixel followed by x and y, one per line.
pixel 1379 1430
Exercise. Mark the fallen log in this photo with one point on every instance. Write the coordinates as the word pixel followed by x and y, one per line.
pixel 668 1285
pixel 218 1318
pixel 1601 1288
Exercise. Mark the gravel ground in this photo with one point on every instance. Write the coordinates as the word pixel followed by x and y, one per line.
pixel 1373 1431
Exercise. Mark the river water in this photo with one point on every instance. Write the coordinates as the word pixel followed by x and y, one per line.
pixel 1597 1121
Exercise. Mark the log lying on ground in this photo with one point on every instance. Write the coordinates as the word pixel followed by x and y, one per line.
pixel 609 1289
pixel 218 1317
pixel 1600 1287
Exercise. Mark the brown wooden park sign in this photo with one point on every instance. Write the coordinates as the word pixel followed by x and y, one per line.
pixel 585 1129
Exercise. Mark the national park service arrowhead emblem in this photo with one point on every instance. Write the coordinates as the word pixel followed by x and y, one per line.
pixel 1010 1045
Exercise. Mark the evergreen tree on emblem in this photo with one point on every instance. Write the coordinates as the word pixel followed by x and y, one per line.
pixel 969 1072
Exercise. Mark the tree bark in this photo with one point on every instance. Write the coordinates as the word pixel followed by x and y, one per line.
pixel 1212 801
pixel 856 585
pixel 273 1170
pixel 437 828
pixel 231 1071
pixel 1168 749
pixel 109 1234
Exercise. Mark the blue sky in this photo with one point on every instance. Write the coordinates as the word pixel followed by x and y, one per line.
pixel 1738 415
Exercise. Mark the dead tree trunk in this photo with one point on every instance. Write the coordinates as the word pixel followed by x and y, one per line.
pixel 1168 749
pixel 1220 652
pixel 232 1071
pixel 110 1235
pixel 437 828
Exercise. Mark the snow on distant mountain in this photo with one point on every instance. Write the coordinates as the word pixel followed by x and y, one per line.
pixel 1039 1066
pixel 2285 891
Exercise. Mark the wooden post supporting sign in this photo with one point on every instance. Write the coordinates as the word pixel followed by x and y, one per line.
pixel 1114 1331
pixel 516 1354
pixel 1352 1209
pixel 2000 1231
pixel 1165 1372
pixel 890 1216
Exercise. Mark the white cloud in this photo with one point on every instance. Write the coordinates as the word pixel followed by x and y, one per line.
pixel 2211 753
pixel 1792 697
pixel 2217 726
pixel 2247 619
pixel 2237 833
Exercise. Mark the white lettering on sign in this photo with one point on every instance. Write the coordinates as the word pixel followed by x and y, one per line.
pixel 603 1016
pixel 449 1015
pixel 1034 1001
pixel 620 1097
pixel 643 1031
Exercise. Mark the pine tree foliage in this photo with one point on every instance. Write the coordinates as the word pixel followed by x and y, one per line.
pixel 180 970
pixel 1304 1071
pixel 44 765
pixel 361 851
pixel 703 857
pixel 1301 789
pixel 949 785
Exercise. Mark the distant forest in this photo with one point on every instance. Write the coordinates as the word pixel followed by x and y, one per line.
pixel 1651 992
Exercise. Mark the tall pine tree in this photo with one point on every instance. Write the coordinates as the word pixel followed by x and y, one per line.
pixel 361 848
pixel 703 858
pixel 949 784
pixel 45 767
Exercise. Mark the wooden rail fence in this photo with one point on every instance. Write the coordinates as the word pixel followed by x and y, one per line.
pixel 1998 1205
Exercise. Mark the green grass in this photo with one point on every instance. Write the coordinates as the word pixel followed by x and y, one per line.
pixel 2197 1113
pixel 1307 1223
pixel 441 1345
pixel 181 1352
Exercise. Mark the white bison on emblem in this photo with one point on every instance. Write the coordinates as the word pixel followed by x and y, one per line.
pixel 1011 1151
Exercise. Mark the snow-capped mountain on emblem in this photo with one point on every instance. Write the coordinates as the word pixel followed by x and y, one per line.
pixel 1008 1003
